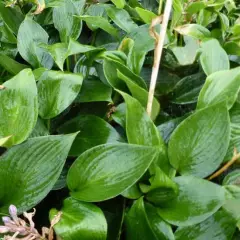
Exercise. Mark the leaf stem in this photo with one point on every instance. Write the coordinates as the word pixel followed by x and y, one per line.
pixel 158 53
pixel 235 157
pixel 160 7
pixel 68 64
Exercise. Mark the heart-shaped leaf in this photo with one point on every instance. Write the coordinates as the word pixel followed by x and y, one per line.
pixel 93 131
pixel 29 47
pixel 56 91
pixel 143 222
pixel 197 200
pixel 18 107
pixel 220 86
pixel 80 220
pixel 29 170
pixel 105 171
pixel 199 144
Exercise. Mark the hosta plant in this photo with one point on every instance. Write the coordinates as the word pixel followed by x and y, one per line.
pixel 89 141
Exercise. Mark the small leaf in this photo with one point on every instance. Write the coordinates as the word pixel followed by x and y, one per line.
pixel 105 171
pixel 4 140
pixel 145 15
pixel 201 130
pixel 29 47
pixel 119 3
pixel 213 57
pixel 101 23
pixel 143 222
pixel 80 220
pixel 121 18
pixel 64 20
pixel 220 86
pixel 233 178
pixel 29 170
pixel 195 7
pixel 194 30
pixel 197 200
pixel 56 91
pixel 93 131
pixel 18 107
pixel 219 226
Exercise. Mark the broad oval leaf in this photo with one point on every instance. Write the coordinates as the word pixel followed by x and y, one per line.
pixel 18 107
pixel 93 131
pixel 146 15
pixel 220 86
pixel 213 57
pixel 197 200
pixel 80 220
pixel 105 171
pixel 220 226
pixel 64 20
pixel 143 222
pixel 56 91
pixel 29 47
pixel 198 145
pixel 29 170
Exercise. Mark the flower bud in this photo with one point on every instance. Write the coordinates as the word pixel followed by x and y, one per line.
pixel 4 229
pixel 6 220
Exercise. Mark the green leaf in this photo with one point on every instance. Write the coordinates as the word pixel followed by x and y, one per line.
pixel 194 30
pixel 18 107
pixel 11 65
pixel 186 55
pixel 93 90
pixel 141 130
pixel 213 57
pixel 11 17
pixel 198 145
pixel 102 172
pixel 29 47
pixel 145 15
pixel 119 3
pixel 206 17
pixel 219 226
pixel 6 35
pixel 4 140
pixel 119 116
pixel 101 23
pixel 143 222
pixel 110 68
pixel 121 18
pixel 56 91
pixel 80 220
pixel 132 193
pixel 220 86
pixel 40 129
pixel 26 180
pixel 186 91
pixel 197 200
pixel 64 20
pixel 140 94
pixel 195 7
pixel 93 131
pixel 233 178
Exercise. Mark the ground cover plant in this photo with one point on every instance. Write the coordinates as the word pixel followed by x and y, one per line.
pixel 86 143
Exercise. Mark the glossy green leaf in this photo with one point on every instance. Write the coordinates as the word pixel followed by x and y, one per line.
pixel 132 193
pixel 11 17
pixel 206 17
pixel 140 94
pixel 29 47
pixel 220 226
pixel 4 140
pixel 119 115
pixel 93 131
pixel 11 65
pixel 233 178
pixel 6 34
pixel 121 18
pixel 93 90
pixel 194 30
pixel 198 145
pixel 146 15
pixel 101 23
pixel 220 86
pixel 195 7
pixel 105 171
pixel 186 55
pixel 40 129
pixel 18 107
pixel 80 220
pixel 56 91
pixel 110 68
pixel 141 130
pixel 213 57
pixel 186 91
pixel 119 3
pixel 29 170
pixel 143 222
pixel 197 200
pixel 64 20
